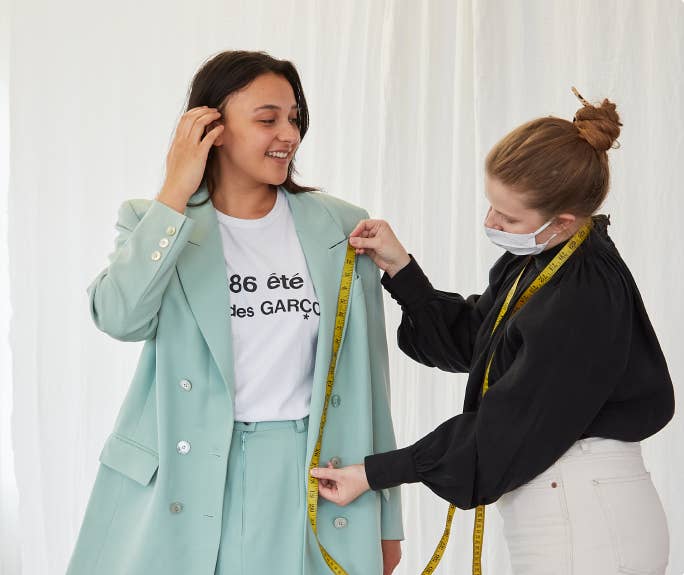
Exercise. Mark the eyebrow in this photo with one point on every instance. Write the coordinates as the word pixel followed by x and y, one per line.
pixel 273 107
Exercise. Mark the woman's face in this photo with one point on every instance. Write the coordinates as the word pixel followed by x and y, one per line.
pixel 508 212
pixel 261 133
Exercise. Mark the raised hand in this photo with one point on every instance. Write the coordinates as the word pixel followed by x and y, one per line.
pixel 187 156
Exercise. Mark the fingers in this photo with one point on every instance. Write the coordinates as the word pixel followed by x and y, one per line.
pixel 193 122
pixel 369 243
pixel 327 473
pixel 327 486
pixel 368 228
pixel 329 492
pixel 327 482
pixel 360 228
pixel 205 124
pixel 188 119
pixel 210 138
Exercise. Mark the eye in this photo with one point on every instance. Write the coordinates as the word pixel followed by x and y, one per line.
pixel 267 121
pixel 506 219
pixel 295 121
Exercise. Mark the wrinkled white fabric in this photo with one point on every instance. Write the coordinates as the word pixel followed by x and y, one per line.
pixel 406 98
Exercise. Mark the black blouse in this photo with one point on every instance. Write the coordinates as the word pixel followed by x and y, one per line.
pixel 580 359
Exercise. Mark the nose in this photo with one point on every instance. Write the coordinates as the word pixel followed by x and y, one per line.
pixel 488 218
pixel 491 221
pixel 289 134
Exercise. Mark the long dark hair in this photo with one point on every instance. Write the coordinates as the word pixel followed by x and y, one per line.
pixel 233 70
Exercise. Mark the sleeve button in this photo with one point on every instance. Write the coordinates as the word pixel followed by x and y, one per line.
pixel 156 256
pixel 170 231
pixel 163 242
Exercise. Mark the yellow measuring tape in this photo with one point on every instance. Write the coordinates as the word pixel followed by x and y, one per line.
pixel 478 529
pixel 312 491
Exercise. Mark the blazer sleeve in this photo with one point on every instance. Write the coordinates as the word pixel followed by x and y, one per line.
pixel 383 431
pixel 126 296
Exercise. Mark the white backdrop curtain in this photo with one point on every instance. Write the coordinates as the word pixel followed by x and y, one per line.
pixel 406 98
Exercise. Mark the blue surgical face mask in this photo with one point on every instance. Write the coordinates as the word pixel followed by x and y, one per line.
pixel 519 244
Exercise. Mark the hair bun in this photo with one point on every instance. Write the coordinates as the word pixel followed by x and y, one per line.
pixel 598 125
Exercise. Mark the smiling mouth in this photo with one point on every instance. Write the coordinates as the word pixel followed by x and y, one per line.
pixel 278 155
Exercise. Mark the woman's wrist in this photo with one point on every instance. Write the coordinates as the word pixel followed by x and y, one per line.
pixel 172 199
pixel 392 270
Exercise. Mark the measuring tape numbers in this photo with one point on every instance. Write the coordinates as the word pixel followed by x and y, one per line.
pixel 312 486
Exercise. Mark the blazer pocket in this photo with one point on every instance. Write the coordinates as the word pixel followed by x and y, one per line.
pixel 130 458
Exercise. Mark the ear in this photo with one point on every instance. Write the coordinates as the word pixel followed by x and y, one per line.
pixel 219 140
pixel 563 222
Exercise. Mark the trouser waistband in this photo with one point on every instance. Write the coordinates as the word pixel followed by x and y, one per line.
pixel 602 445
pixel 298 425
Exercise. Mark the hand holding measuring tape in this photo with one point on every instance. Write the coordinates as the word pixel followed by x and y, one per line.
pixel 342 485
pixel 376 239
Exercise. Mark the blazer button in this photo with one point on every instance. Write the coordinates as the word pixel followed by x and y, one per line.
pixel 336 461
pixel 163 242
pixel 340 522
pixel 335 400
pixel 183 447
pixel 156 255
pixel 185 384
pixel 176 507
pixel 170 231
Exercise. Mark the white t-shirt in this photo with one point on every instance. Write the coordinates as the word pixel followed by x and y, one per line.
pixel 274 315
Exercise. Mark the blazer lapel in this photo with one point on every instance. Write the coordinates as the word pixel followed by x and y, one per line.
pixel 202 272
pixel 322 241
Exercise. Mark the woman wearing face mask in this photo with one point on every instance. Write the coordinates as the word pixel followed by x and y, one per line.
pixel 566 375
pixel 231 277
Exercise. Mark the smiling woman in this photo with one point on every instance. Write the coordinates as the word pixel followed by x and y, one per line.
pixel 254 96
pixel 229 278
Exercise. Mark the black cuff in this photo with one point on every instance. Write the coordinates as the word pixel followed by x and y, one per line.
pixel 384 470
pixel 409 286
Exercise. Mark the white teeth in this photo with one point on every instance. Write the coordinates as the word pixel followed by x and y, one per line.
pixel 281 155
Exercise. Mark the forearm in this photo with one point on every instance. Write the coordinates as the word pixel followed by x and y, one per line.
pixel 126 296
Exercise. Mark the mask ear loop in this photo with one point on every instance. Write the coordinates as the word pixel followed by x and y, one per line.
pixel 546 225
pixel 540 230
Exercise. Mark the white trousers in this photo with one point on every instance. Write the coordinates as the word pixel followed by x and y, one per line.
pixel 593 512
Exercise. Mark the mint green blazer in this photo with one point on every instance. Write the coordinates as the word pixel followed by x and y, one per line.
pixel 154 511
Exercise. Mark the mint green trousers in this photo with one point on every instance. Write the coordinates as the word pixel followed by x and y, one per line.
pixel 264 506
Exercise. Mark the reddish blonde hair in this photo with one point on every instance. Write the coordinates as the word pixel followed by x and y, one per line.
pixel 559 166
